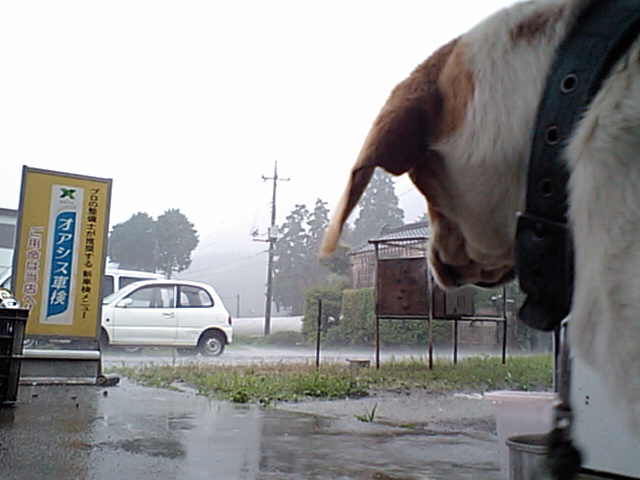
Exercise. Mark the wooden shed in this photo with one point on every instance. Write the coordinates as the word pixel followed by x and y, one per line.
pixel 395 264
pixel 394 242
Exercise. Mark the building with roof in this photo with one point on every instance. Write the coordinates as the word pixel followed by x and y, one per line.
pixel 8 221
pixel 406 241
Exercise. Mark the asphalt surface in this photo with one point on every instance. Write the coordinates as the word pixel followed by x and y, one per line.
pixel 129 431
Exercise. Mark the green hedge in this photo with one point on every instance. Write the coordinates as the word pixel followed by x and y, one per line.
pixel 331 296
pixel 348 318
pixel 356 326
pixel 352 320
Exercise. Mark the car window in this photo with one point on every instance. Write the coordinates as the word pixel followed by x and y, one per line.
pixel 124 280
pixel 153 297
pixel 192 297
pixel 107 285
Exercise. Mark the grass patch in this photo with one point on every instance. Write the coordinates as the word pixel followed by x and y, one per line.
pixel 266 384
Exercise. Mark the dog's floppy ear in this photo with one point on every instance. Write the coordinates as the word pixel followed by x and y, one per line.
pixel 398 139
pixel 395 141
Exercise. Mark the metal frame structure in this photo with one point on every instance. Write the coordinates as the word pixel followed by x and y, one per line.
pixel 404 290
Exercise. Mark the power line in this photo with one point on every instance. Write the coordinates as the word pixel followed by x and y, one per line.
pixel 224 234
pixel 230 262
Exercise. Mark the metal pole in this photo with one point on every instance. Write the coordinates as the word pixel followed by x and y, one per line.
pixel 504 326
pixel 455 341
pixel 430 287
pixel 376 334
pixel 318 333
pixel 376 331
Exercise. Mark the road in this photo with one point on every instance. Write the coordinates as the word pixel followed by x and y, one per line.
pixel 247 354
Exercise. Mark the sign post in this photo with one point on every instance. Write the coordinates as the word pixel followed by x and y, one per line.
pixel 60 253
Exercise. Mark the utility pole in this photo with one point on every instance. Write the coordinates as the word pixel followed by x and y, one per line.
pixel 272 237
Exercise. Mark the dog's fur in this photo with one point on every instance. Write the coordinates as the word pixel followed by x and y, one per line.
pixel 461 126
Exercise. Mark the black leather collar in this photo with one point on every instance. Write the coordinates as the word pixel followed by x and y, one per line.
pixel 544 249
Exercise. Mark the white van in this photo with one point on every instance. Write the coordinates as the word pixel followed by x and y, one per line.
pixel 114 279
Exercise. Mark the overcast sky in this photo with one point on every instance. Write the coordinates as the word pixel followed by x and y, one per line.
pixel 187 104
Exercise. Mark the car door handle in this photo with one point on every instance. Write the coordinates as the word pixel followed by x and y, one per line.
pixel 168 314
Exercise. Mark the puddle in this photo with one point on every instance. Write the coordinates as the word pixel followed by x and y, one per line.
pixel 155 447
pixel 322 449
pixel 143 433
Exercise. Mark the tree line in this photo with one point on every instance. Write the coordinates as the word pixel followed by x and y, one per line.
pixel 165 244
pixel 296 264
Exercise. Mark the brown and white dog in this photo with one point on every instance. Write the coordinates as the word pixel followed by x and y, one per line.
pixel 461 126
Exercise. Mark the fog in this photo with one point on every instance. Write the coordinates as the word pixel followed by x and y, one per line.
pixel 189 104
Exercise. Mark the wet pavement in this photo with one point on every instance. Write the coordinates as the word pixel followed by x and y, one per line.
pixel 129 431
pixel 238 354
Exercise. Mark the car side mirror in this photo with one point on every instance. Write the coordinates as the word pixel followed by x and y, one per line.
pixel 124 303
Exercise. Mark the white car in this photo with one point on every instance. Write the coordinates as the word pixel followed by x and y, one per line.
pixel 166 313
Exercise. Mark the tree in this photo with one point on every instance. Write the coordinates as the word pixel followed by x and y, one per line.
pixel 296 265
pixel 162 245
pixel 317 224
pixel 176 239
pixel 379 207
pixel 132 243
pixel 291 260
pixel 338 263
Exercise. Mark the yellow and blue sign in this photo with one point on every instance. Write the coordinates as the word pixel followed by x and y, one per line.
pixel 60 252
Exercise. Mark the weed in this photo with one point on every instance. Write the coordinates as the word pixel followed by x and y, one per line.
pixel 266 384
pixel 408 426
pixel 369 416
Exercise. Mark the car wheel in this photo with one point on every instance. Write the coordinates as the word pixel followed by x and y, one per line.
pixel 186 351
pixel 211 344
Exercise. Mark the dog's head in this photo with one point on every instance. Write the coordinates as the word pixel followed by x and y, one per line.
pixel 460 126
pixel 416 133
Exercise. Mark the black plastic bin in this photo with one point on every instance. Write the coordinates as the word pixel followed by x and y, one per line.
pixel 13 322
